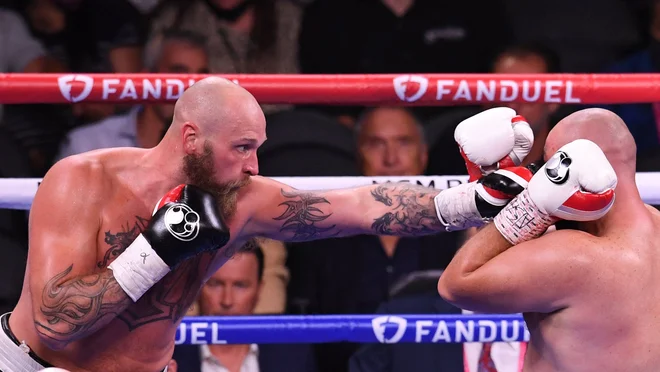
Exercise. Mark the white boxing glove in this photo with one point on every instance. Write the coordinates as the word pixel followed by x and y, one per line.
pixel 493 139
pixel 577 184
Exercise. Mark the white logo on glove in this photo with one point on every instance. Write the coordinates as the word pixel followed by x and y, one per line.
pixel 66 83
pixel 402 83
pixel 182 222
pixel 379 324
pixel 557 169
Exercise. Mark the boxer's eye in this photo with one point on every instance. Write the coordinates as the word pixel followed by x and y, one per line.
pixel 242 148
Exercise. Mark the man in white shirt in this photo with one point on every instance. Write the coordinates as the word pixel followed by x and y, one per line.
pixel 493 357
pixel 234 290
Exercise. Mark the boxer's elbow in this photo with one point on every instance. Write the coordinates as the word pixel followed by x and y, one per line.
pixel 456 289
pixel 51 334
pixel 51 341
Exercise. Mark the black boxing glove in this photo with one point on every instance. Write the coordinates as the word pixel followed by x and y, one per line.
pixel 186 222
pixel 497 189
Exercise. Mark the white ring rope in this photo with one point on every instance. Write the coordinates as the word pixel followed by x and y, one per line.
pixel 17 193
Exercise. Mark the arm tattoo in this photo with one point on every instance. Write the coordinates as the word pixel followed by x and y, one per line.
pixel 302 216
pixel 74 309
pixel 412 210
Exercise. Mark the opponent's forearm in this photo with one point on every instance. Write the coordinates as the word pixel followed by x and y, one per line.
pixel 461 279
pixel 477 251
pixel 73 308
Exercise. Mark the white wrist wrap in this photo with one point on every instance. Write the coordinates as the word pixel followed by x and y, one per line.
pixel 457 209
pixel 138 268
pixel 521 220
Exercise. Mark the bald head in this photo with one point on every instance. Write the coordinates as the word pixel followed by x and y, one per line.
pixel 215 103
pixel 602 127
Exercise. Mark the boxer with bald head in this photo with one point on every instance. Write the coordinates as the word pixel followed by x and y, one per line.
pixel 122 239
pixel 589 290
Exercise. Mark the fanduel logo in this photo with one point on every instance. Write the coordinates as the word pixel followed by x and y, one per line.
pixel 66 83
pixel 404 86
pixel 379 326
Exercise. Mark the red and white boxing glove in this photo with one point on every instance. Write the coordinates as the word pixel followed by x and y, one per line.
pixel 493 139
pixel 577 184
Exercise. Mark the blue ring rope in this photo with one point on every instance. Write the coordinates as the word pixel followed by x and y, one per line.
pixel 352 328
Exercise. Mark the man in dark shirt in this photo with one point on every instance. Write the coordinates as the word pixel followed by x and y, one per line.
pixel 392 36
pixel 354 275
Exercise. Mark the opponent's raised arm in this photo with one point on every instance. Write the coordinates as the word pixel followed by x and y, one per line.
pixel 508 266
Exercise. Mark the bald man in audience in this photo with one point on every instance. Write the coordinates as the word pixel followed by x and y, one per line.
pixel 589 290
pixel 122 239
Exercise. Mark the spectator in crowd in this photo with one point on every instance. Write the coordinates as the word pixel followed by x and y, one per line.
pixel 19 50
pixel 243 36
pixel 100 36
pixel 234 290
pixel 90 36
pixel 354 275
pixel 144 125
pixel 642 119
pixel 586 34
pixel 531 59
pixel 275 279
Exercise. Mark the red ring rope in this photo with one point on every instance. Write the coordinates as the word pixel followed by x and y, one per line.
pixel 391 89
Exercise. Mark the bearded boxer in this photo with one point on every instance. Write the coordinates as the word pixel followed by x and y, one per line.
pixel 589 294
pixel 121 240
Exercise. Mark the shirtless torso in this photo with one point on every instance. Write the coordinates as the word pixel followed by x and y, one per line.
pixel 89 208
pixel 114 207
pixel 612 324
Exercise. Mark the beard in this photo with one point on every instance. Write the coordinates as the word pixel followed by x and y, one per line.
pixel 199 170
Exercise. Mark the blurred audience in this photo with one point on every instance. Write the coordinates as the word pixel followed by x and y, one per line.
pixel 234 290
pixel 354 275
pixel 20 51
pixel 400 36
pixel 243 36
pixel 586 34
pixel 90 36
pixel 643 120
pixel 144 125
pixel 101 36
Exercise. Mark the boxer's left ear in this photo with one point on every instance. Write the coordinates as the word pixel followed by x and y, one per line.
pixel 192 142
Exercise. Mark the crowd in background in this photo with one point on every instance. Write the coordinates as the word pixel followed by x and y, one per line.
pixel 357 275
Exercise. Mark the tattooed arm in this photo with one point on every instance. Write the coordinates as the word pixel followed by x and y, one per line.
pixel 287 214
pixel 71 298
